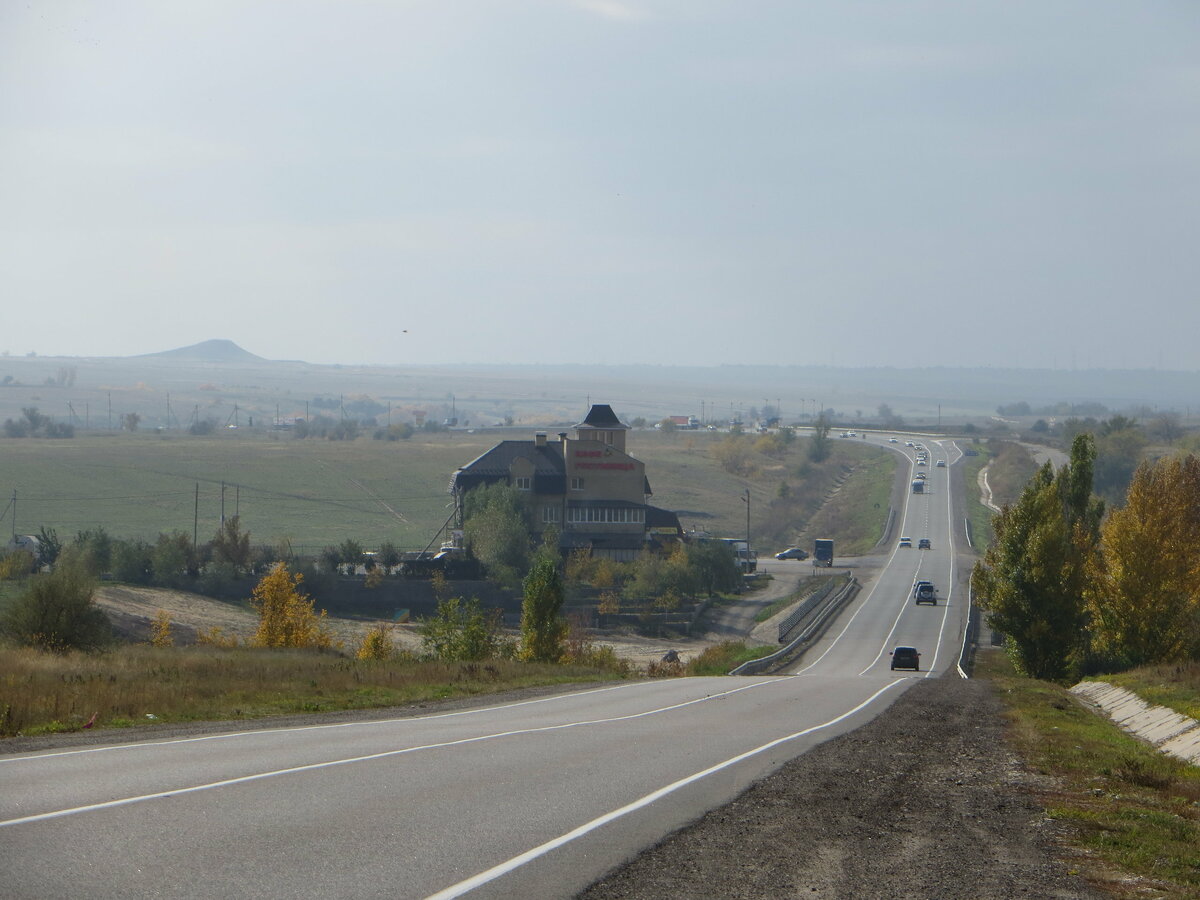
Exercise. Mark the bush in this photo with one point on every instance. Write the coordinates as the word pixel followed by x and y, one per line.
pixel 57 613
pixel 461 630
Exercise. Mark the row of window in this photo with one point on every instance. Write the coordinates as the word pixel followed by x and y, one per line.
pixel 622 515
pixel 525 483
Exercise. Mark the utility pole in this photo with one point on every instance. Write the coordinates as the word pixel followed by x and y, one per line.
pixel 196 518
pixel 746 498
pixel 222 503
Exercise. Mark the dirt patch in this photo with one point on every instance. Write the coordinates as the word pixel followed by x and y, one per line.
pixel 133 609
pixel 924 801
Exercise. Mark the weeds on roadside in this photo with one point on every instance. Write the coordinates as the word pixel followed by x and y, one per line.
pixel 1128 805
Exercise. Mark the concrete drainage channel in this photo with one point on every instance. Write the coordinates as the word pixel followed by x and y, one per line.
pixel 809 622
pixel 1169 731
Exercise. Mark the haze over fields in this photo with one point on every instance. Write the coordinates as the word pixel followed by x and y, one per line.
pixel 226 384
pixel 607 183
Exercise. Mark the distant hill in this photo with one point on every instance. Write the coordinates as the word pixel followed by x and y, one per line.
pixel 207 351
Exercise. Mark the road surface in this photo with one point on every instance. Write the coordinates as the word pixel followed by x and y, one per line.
pixel 534 799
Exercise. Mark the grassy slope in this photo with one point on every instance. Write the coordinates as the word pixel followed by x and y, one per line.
pixel 1133 810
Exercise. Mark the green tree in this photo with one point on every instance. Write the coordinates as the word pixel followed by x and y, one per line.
pixel 331 560
pixel 1033 579
pixel 93 549
pixel 389 557
pixel 1145 598
pixel 173 561
pixel 49 546
pixel 819 444
pixel 131 562
pixel 461 630
pixel 543 629
pixel 58 612
pixel 496 530
pixel 1118 453
pixel 351 553
pixel 231 545
pixel 715 569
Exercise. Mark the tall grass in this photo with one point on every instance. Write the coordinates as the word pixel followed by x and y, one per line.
pixel 138 684
pixel 721 658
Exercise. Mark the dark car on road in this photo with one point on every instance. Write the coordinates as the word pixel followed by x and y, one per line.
pixel 906 658
pixel 923 544
pixel 925 592
pixel 792 553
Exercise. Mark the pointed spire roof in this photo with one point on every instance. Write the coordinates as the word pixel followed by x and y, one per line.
pixel 601 415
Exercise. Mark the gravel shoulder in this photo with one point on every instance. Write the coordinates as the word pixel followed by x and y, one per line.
pixel 924 801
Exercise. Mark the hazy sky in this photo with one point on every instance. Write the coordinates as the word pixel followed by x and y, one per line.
pixel 611 181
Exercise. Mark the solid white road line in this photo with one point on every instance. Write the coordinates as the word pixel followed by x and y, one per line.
pixel 463 887
pixel 126 801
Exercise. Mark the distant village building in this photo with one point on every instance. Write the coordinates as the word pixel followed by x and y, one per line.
pixel 586 487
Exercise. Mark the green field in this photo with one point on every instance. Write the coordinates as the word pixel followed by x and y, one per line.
pixel 318 492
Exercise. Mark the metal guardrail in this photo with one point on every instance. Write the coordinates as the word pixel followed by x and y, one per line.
pixel 966 656
pixel 819 618
pixel 801 612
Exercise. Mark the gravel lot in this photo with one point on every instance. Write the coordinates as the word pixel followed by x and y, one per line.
pixel 925 801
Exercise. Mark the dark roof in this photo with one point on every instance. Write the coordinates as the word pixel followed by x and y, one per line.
pixel 601 415
pixel 548 468
pixel 657 518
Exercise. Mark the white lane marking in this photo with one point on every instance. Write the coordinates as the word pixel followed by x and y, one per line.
pixel 871 593
pixel 953 568
pixel 126 801
pixel 356 724
pixel 931 668
pixel 469 884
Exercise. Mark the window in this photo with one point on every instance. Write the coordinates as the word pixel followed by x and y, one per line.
pixel 523 482
pixel 577 482
pixel 551 514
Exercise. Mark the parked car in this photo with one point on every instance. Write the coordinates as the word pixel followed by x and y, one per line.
pixel 792 553
pixel 906 658
pixel 923 544
pixel 906 542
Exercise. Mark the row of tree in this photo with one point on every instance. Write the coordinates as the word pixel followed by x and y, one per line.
pixel 1076 591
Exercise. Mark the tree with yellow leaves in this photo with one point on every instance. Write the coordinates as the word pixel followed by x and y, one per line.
pixel 1145 597
pixel 286 616
pixel 377 643
pixel 160 630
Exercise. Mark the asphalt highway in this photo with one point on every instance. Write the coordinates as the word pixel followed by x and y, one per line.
pixel 533 799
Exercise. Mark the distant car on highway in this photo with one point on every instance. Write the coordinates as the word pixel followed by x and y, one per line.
pixel 906 542
pixel 941 464
pixel 924 592
pixel 923 544
pixel 792 553
pixel 906 658
pixel 893 440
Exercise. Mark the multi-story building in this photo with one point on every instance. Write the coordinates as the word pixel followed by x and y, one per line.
pixel 587 487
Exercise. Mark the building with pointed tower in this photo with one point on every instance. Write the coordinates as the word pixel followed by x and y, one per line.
pixel 587 487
